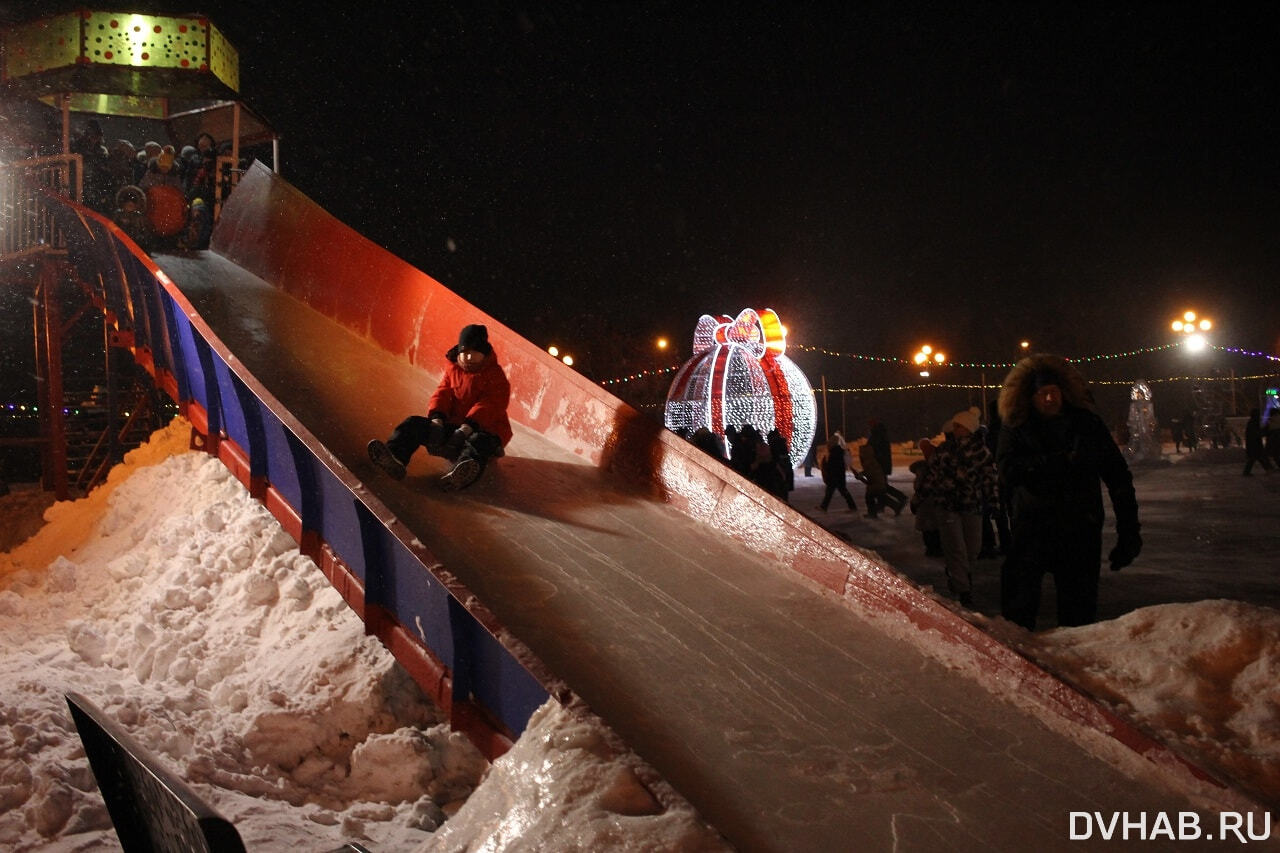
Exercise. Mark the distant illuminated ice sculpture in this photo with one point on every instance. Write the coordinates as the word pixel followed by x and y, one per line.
pixel 1142 444
pixel 739 374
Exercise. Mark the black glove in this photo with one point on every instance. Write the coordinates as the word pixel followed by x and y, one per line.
pixel 1127 549
pixel 453 446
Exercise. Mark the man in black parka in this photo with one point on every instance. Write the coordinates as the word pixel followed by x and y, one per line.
pixel 1052 452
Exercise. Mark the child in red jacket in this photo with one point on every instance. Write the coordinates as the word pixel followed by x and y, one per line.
pixel 466 419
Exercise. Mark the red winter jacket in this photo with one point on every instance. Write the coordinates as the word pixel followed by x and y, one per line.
pixel 479 399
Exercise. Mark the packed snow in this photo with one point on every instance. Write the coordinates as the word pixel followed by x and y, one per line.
pixel 1205 676
pixel 175 602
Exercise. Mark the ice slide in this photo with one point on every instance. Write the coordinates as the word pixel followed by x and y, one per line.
pixel 798 692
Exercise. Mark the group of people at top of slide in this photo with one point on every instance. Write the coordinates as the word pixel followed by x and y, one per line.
pixel 118 177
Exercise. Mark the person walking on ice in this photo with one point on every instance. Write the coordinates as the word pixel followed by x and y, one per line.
pixel 833 468
pixel 960 478
pixel 1053 455
pixel 466 420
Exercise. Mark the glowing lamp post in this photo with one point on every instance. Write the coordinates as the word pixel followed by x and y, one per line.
pixel 927 357
pixel 555 352
pixel 1192 329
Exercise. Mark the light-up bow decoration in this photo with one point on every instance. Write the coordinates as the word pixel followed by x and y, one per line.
pixel 739 374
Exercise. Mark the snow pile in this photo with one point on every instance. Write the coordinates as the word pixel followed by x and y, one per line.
pixel 570 784
pixel 175 602
pixel 177 605
pixel 1203 677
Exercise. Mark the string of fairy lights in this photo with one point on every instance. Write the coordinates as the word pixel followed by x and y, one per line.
pixel 19 410
pixel 31 410
pixel 994 365
pixel 641 374
pixel 977 386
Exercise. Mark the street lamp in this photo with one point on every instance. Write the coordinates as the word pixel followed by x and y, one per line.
pixel 925 357
pixel 1192 328
pixel 554 351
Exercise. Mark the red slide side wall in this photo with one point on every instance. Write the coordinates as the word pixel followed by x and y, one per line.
pixel 271 229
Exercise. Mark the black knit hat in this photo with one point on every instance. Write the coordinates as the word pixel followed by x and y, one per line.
pixel 475 337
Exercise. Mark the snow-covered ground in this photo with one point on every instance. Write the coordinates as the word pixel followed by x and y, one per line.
pixel 175 602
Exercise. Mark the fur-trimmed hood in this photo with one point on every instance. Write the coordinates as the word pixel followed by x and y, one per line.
pixel 1015 396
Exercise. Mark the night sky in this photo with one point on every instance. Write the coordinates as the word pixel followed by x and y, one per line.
pixel 882 177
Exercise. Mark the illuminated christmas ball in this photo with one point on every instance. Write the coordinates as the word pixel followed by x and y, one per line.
pixel 166 209
pixel 739 374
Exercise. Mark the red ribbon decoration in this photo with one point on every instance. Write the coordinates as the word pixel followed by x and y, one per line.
pixel 758 331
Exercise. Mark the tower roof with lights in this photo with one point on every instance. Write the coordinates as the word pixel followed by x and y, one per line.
pixel 120 63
